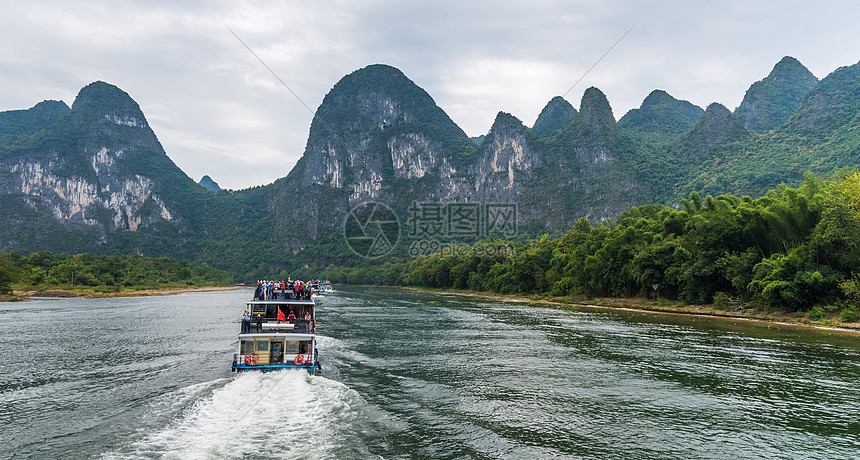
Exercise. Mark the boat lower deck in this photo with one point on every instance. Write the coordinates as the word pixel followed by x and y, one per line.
pixel 275 351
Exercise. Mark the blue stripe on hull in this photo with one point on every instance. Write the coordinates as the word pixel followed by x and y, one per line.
pixel 272 367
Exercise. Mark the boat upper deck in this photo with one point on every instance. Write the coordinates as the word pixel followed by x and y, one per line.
pixel 280 314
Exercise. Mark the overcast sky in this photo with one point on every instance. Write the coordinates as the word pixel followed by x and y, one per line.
pixel 218 111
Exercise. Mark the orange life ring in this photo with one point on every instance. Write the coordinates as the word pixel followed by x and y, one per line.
pixel 251 360
pixel 299 359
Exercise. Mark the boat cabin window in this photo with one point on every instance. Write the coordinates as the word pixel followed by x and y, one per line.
pixel 247 347
pixel 261 345
pixel 295 347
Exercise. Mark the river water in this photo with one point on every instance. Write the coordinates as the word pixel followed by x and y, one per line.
pixel 416 375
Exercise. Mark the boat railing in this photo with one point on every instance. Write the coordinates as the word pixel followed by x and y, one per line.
pixel 286 294
pixel 288 359
pixel 267 324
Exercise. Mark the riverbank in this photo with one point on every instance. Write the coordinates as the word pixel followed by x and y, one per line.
pixel 94 293
pixel 660 306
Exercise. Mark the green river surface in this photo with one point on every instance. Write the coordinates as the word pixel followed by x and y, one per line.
pixel 421 375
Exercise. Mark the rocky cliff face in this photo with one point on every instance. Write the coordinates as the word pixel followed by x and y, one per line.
pixel 87 166
pixel 506 162
pixel 500 172
pixel 378 137
pixel 96 192
pixel 375 133
pixel 602 162
pixel 376 124
pixel 75 199
pixel 94 176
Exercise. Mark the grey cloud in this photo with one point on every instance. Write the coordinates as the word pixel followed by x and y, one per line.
pixel 217 111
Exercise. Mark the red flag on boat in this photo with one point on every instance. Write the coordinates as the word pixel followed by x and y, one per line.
pixel 281 316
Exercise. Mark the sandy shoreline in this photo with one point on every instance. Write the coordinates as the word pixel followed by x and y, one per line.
pixel 631 305
pixel 96 295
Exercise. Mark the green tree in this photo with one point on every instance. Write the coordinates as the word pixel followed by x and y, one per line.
pixel 8 274
pixel 794 281
pixel 660 264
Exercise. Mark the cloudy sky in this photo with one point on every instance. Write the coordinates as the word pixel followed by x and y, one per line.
pixel 218 111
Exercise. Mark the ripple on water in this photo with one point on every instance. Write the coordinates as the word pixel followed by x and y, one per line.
pixel 412 375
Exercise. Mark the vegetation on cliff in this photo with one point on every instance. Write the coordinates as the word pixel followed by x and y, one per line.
pixel 572 163
pixel 771 101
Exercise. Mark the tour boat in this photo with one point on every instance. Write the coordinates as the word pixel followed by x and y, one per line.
pixel 321 287
pixel 280 334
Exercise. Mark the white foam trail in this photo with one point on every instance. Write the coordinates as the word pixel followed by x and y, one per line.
pixel 287 414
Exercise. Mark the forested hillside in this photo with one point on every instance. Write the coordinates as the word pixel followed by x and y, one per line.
pixel 94 177
pixel 41 270
pixel 794 249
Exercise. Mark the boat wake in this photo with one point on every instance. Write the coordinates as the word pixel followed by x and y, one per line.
pixel 286 414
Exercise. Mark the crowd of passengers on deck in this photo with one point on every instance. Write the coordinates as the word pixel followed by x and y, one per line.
pixel 273 290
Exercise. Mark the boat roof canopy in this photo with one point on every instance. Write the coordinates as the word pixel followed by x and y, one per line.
pixel 276 335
